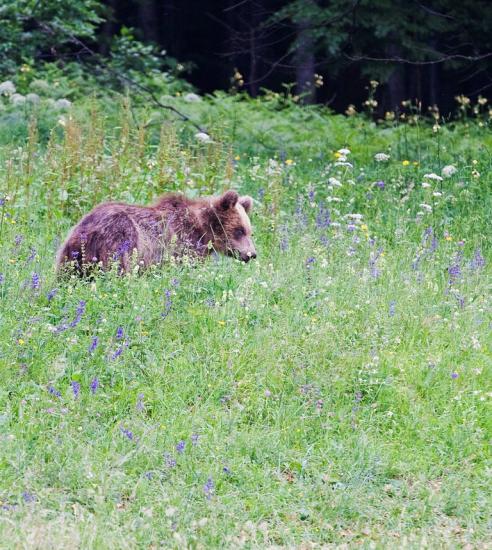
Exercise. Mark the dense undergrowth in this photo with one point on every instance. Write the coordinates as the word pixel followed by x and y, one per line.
pixel 334 391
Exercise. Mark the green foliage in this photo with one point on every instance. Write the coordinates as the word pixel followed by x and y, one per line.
pixel 332 392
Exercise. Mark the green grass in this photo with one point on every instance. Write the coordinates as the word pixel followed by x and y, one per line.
pixel 334 391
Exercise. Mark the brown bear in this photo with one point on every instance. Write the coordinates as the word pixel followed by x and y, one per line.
pixel 116 232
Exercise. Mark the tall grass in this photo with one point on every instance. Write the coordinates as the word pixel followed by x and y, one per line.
pixel 334 391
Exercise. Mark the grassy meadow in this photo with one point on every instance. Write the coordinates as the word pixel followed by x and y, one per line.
pixel 335 392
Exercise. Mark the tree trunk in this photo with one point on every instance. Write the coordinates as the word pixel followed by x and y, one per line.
pixel 305 63
pixel 396 91
pixel 147 18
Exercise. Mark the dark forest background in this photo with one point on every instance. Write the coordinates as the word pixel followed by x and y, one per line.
pixel 430 51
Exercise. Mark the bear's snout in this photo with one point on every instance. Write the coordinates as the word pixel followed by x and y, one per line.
pixel 246 257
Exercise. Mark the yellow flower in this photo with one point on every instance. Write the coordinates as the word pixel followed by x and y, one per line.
pixel 405 162
pixel 289 162
pixel 20 341
pixel 364 227
pixel 237 157
pixel 12 260
pixel 221 323
pixel 415 163
pixel 337 154
pixel 448 238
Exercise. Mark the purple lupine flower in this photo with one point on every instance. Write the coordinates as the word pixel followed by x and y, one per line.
pixel 51 294
pixel 126 433
pixel 2 201
pixel 167 305
pixel 93 345
pixel 392 307
pixel 170 461
pixel 28 497
pixel 226 470
pixel 351 227
pixel 32 255
pixel 18 239
pixel 380 184
pixel 54 391
pixel 2 278
pixel 454 375
pixel 310 262
pixel 373 262
pixel 261 194
pixel 119 333
pixel 94 385
pixel 79 312
pixel 478 260
pixel 140 402
pixel 311 195
pixel 454 272
pixel 180 447
pixel 194 439
pixel 75 388
pixel 35 281
pixel 175 282
pixel 323 219
pixel 208 488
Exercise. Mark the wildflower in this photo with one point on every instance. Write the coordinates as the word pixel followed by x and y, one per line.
pixel 75 388
pixel 433 176
pixel 63 104
pixel 2 278
pixel 454 375
pixel 449 171
pixel 7 88
pixel 426 207
pixel 119 333
pixel 94 385
pixel 343 162
pixel 309 262
pixel 180 447
pixel 17 99
pixel 405 162
pixel 35 281
pixel 289 162
pixel 194 439
pixel 475 174
pixel 203 137
pixel 28 497
pixel 268 393
pixel 79 312
pixel 344 152
pixel 140 402
pixel 381 157
pixel 380 184
pixel 170 461
pixel 167 305
pixel 392 307
pixel 335 182
pixel 192 98
pixel 33 98
pixel 437 194
pixel 54 391
pixel 51 294
pixel 93 345
pixel 478 260
pixel 126 433
pixel 208 488
pixel 351 110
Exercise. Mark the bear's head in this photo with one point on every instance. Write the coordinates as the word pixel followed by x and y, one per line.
pixel 230 226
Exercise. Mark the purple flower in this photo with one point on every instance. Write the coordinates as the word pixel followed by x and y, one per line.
pixel 226 470
pixel 2 278
pixel 28 497
pixel 194 439
pixel 167 305
pixel 351 227
pixel 261 194
pixel 126 433
pixel 208 488
pixel 2 201
pixel 93 345
pixel 140 403
pixel 51 294
pixel 478 260
pixel 79 313
pixel 119 333
pixel 310 261
pixel 32 255
pixel 75 388
pixel 94 385
pixel 323 219
pixel 35 281
pixel 170 461
pixel 454 375
pixel 380 184
pixel 18 239
pixel 180 447
pixel 392 306
pixel 54 391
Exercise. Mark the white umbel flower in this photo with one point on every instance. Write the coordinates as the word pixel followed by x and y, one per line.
pixel 433 176
pixel 17 99
pixel 63 104
pixel 334 182
pixel 381 157
pixel 449 171
pixel 203 137
pixel 344 151
pixel 192 98
pixel 426 207
pixel 33 98
pixel 7 88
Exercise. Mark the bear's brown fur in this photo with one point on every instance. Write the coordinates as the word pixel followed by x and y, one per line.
pixel 114 232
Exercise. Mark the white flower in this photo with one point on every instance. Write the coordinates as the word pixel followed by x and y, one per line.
pixel 203 137
pixel 343 163
pixel 63 103
pixel 7 88
pixel 344 151
pixel 426 207
pixel 433 176
pixel 449 171
pixel 192 98
pixel 33 98
pixel 425 185
pixel 335 182
pixel 333 199
pixel 437 194
pixel 381 157
pixel 17 99
pixel 356 217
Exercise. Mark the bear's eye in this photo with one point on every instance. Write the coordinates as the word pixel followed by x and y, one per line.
pixel 239 232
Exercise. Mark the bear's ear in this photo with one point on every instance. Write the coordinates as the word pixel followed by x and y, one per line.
pixel 247 203
pixel 227 200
